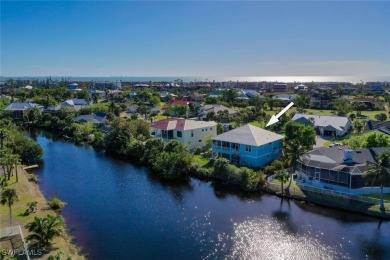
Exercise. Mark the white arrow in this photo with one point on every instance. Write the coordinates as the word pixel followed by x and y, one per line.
pixel 275 119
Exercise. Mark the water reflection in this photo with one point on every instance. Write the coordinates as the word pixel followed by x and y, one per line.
pixel 267 238
pixel 283 217
pixel 223 190
pixel 177 188
pixel 374 247
pixel 112 202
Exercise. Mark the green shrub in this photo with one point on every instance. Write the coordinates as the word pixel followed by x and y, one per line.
pixel 56 204
pixel 198 151
pixel 33 179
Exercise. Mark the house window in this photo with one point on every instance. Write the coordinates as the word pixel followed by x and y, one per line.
pixel 248 148
pixel 211 128
pixel 200 141
pixel 192 133
pixel 202 130
pixel 179 134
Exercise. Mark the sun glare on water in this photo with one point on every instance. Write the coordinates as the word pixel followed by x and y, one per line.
pixel 270 239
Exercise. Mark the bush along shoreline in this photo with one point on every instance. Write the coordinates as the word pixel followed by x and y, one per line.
pixel 40 221
pixel 130 140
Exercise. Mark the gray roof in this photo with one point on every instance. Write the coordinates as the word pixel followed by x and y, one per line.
pixel 76 102
pixel 338 122
pixel 91 118
pixel 22 106
pixel 216 108
pixel 332 158
pixel 286 97
pixel 250 135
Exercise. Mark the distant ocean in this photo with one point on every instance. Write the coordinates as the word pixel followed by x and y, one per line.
pixel 286 79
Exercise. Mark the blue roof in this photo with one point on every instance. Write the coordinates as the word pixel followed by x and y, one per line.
pixel 377 88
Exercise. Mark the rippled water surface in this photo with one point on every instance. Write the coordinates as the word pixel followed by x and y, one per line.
pixel 117 211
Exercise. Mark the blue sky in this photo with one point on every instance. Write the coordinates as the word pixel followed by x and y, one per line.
pixel 92 38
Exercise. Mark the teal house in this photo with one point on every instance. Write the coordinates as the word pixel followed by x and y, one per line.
pixel 248 146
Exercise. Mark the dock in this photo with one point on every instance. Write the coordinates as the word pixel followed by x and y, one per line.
pixel 31 167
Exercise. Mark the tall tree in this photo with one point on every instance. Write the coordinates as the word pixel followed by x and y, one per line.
pixel 298 139
pixel 358 107
pixel 8 197
pixel 342 106
pixel 380 170
pixel 302 102
pixel 282 176
pixel 358 126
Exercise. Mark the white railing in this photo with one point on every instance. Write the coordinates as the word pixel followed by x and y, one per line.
pixel 340 194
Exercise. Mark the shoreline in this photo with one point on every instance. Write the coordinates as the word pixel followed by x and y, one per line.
pixel 198 174
pixel 28 191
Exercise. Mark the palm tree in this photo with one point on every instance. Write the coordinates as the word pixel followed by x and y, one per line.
pixel 297 141
pixel 282 176
pixel 380 170
pixel 44 230
pixel 3 136
pixel 16 160
pixel 8 197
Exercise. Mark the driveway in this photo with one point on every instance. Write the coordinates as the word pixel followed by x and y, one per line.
pixel 319 142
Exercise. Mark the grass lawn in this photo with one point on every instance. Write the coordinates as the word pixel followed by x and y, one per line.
pixel 201 161
pixel 294 188
pixel 28 192
pixel 258 124
pixel 377 196
pixel 160 117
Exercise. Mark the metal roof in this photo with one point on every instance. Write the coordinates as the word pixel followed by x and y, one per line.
pixel 338 122
pixel 249 135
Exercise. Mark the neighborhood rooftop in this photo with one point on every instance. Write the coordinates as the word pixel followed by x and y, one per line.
pixel 22 106
pixel 334 158
pixel 249 135
pixel 338 122
pixel 181 124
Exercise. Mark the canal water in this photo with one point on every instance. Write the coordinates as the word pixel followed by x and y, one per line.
pixel 116 210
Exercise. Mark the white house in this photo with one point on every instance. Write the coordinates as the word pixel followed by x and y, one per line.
pixel 191 133
pixel 325 125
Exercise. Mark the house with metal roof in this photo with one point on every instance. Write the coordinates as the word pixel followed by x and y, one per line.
pixel 190 133
pixel 337 168
pixel 215 108
pixel 285 99
pixel 325 125
pixel 19 109
pixel 248 146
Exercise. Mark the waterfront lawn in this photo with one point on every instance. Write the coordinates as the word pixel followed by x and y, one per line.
pixel 376 208
pixel 294 188
pixel 378 196
pixel 28 192
pixel 200 160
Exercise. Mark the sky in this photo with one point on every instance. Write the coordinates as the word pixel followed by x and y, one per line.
pixel 197 38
